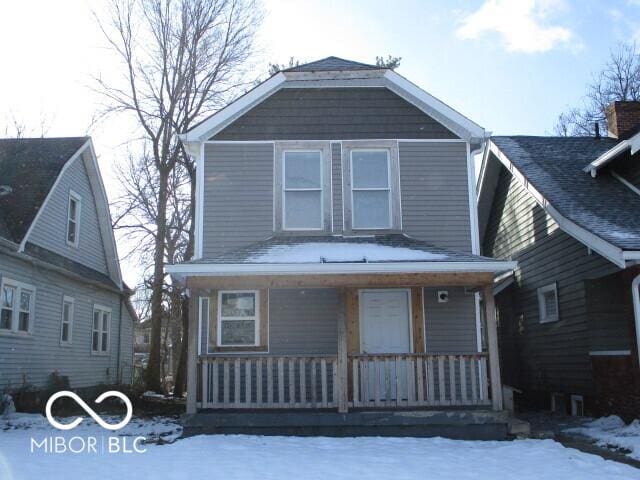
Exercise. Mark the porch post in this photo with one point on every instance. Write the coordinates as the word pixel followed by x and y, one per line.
pixel 342 363
pixel 492 341
pixel 192 352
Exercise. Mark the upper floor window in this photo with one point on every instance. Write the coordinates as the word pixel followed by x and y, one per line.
pixel 16 306
pixel 548 303
pixel 302 190
pixel 73 218
pixel 100 330
pixel 370 189
pixel 68 304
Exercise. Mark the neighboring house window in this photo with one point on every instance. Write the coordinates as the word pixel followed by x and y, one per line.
pixel 16 306
pixel 370 189
pixel 100 331
pixel 146 339
pixel 302 190
pixel 73 218
pixel 238 318
pixel 548 303
pixel 68 304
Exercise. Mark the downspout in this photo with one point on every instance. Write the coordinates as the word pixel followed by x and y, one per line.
pixel 119 374
pixel 635 292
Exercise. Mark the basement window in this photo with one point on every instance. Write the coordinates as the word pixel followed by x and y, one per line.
pixel 548 303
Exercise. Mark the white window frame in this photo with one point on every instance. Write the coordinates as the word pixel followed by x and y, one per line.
pixel 285 189
pixel 376 189
pixel 577 406
pixel 73 196
pixel 102 309
pixel 255 318
pixel 72 302
pixel 15 313
pixel 542 310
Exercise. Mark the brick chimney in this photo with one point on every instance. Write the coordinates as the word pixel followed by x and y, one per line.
pixel 623 118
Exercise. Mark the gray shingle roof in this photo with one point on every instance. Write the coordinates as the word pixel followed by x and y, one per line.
pixel 553 165
pixel 29 167
pixel 332 64
pixel 339 249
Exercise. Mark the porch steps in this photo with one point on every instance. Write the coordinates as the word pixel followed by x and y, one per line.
pixel 456 424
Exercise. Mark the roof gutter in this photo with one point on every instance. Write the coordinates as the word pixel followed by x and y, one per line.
pixel 234 269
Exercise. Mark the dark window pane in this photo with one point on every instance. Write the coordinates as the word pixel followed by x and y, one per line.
pixel 104 341
pixel 94 344
pixel 65 332
pixel 23 323
pixel 238 332
pixel 5 319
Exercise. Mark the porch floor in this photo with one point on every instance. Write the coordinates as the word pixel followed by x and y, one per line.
pixel 467 424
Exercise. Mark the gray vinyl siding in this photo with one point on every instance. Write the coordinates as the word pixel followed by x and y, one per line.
pixel 336 174
pixel 435 193
pixel 238 195
pixel 32 358
pixel 555 355
pixel 450 327
pixel 333 114
pixel 303 321
pixel 50 230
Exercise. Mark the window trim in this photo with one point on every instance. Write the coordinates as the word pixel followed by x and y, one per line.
pixel 72 301
pixel 285 189
pixel 101 308
pixel 220 319
pixel 15 312
pixel 542 311
pixel 78 199
pixel 388 189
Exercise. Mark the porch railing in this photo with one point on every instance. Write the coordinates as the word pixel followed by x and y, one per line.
pixel 374 381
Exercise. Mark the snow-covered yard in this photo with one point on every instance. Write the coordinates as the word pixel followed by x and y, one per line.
pixel 612 432
pixel 248 457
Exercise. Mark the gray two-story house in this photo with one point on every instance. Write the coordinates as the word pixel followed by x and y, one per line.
pixel 337 262
pixel 64 309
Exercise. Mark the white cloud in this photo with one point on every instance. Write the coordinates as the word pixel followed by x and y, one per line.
pixel 522 24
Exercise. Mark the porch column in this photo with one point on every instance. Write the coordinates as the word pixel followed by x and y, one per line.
pixel 343 361
pixel 492 341
pixel 192 352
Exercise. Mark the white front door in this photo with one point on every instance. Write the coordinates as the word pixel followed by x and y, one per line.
pixel 385 328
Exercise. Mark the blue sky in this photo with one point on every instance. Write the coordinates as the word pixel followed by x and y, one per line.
pixel 510 65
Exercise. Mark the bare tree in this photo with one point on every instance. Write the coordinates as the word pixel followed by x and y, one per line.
pixel 619 80
pixel 182 59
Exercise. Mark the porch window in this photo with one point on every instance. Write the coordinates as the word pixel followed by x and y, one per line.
pixel 100 330
pixel 73 219
pixel 548 303
pixel 370 189
pixel 68 304
pixel 302 185
pixel 238 318
pixel 16 306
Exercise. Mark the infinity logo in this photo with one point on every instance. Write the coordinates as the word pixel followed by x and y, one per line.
pixel 89 410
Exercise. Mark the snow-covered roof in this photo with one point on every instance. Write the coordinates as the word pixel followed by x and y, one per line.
pixel 340 254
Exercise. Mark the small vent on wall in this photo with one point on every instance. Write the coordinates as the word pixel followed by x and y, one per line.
pixel 443 296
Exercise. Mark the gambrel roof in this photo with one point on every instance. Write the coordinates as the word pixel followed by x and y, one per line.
pixel 332 64
pixel 28 170
pixel 600 211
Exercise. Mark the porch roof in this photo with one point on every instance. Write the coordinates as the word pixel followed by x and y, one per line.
pixel 337 254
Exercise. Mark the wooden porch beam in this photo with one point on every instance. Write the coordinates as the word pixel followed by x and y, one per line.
pixel 450 279
pixel 192 352
pixel 343 361
pixel 492 341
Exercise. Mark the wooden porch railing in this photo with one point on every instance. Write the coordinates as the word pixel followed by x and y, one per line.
pixel 375 381
pixel 414 380
pixel 269 382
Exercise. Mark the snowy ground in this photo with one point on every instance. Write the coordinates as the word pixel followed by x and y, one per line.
pixel 612 432
pixel 249 457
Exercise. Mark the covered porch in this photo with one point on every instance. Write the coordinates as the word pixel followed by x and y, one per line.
pixel 342 324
